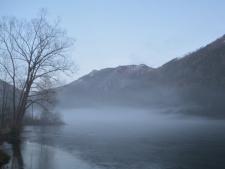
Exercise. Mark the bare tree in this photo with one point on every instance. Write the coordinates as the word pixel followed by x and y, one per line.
pixel 5 106
pixel 34 50
pixel 4 101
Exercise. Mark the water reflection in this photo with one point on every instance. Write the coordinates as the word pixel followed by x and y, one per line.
pixel 17 158
pixel 31 155
pixel 132 141
pixel 37 157
pixel 28 155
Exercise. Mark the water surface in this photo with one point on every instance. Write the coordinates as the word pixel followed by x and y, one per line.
pixel 123 139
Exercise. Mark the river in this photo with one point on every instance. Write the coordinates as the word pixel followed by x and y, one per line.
pixel 122 139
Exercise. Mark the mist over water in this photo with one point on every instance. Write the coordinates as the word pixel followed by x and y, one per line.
pixel 122 138
pixel 135 88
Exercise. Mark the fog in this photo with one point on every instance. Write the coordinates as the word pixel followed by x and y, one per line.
pixel 122 138
pixel 140 138
pixel 132 123
pixel 135 109
pixel 126 138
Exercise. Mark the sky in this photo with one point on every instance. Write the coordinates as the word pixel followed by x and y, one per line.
pixel 109 33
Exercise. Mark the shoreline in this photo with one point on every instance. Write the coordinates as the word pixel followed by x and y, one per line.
pixel 4 158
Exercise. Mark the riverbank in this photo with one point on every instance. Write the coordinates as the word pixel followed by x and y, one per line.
pixel 5 136
pixel 4 158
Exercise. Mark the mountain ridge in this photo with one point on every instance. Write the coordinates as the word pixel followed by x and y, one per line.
pixel 195 80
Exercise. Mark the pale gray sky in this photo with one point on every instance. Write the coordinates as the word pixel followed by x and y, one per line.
pixel 117 32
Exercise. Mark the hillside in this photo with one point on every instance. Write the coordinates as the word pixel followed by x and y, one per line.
pixel 195 80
